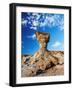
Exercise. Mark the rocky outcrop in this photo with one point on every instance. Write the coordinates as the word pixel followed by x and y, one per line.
pixel 43 61
pixel 53 66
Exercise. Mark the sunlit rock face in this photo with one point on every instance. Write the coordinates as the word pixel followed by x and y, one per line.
pixel 43 39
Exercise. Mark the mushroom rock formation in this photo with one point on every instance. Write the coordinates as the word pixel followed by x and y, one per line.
pixel 43 39
pixel 42 59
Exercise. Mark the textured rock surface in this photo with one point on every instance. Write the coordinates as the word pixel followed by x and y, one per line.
pixel 44 67
pixel 43 62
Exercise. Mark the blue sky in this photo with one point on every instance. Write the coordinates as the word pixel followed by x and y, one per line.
pixel 42 22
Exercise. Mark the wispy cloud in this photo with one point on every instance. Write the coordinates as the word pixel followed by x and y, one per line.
pixel 35 23
pixel 36 15
pixel 32 36
pixel 42 20
pixel 56 20
pixel 24 22
pixel 34 28
pixel 56 44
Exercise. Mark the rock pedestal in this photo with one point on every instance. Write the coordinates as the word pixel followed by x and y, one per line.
pixel 43 39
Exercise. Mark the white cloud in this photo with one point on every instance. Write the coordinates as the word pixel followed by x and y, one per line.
pixel 24 22
pixel 29 22
pixel 61 26
pixel 59 22
pixel 35 23
pixel 36 15
pixel 53 20
pixel 56 44
pixel 32 36
pixel 50 19
pixel 46 20
pixel 42 24
pixel 34 28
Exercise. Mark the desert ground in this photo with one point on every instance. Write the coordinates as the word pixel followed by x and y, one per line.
pixel 52 67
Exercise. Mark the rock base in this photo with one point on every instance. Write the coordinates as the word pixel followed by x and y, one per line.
pixel 51 67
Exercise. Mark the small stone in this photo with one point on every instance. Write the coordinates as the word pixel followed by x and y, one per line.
pixel 41 64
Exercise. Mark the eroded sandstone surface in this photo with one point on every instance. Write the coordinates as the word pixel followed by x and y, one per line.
pixel 43 67
pixel 43 62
